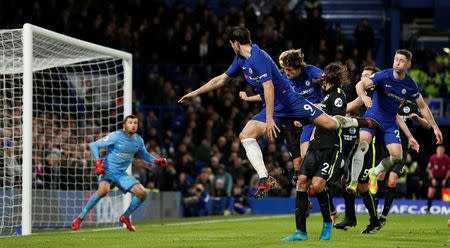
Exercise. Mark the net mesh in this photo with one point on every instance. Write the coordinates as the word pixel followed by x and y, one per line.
pixel 77 98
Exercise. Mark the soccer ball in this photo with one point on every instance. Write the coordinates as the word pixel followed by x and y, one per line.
pixel 280 59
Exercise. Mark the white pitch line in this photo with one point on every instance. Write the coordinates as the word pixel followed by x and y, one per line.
pixel 168 224
pixel 223 220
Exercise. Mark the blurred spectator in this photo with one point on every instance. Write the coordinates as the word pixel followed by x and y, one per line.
pixel 364 38
pixel 12 169
pixel 225 180
pixel 239 201
pixel 413 181
pixel 196 203
pixel 205 180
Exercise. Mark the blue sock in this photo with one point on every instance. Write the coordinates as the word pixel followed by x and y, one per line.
pixel 91 203
pixel 135 203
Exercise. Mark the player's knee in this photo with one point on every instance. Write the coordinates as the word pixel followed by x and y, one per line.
pixel 102 192
pixel 396 159
pixel 363 146
pixel 242 136
pixel 142 195
pixel 318 186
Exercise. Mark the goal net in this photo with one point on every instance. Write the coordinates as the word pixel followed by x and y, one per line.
pixel 57 94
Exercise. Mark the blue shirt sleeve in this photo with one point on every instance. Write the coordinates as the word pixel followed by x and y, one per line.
pixel 103 142
pixel 235 67
pixel 143 153
pixel 377 77
pixel 415 92
pixel 262 68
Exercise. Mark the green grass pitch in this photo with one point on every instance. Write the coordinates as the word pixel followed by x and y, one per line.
pixel 244 231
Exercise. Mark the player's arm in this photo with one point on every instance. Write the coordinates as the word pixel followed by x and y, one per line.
pixel 426 113
pixel 146 156
pixel 94 146
pixel 103 142
pixel 353 106
pixel 212 84
pixel 411 140
pixel 361 87
pixel 269 95
pixel 255 98
pixel 422 122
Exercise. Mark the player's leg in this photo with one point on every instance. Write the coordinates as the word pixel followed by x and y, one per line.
pixel 103 189
pixel 350 217
pixel 301 206
pixel 254 129
pixel 431 192
pixel 381 188
pixel 324 203
pixel 390 193
pixel 368 199
pixel 301 201
pixel 128 183
pixel 365 138
pixel 333 212
pixel 394 158
pixel 327 171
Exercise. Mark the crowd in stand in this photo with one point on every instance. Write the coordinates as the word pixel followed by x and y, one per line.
pixel 185 47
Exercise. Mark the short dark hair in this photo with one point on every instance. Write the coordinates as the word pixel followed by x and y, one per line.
pixel 405 52
pixel 239 34
pixel 371 68
pixel 129 117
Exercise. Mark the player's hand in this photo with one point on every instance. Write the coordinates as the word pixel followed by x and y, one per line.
pixel 443 183
pixel 160 162
pixel 367 101
pixel 413 143
pixel 298 124
pixel 99 167
pixel 413 116
pixel 188 97
pixel 243 95
pixel 271 129
pixel 438 135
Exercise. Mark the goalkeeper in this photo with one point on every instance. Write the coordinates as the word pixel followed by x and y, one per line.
pixel 122 145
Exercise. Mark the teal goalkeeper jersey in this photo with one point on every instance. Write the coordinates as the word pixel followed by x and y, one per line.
pixel 121 150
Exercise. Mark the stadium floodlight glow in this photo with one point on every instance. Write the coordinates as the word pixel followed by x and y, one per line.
pixel 57 94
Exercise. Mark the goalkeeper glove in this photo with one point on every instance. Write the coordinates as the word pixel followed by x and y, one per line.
pixel 99 167
pixel 160 161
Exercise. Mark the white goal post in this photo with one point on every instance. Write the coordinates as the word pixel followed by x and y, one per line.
pixel 67 93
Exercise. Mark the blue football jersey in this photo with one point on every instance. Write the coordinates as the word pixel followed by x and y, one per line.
pixel 121 150
pixel 389 93
pixel 304 85
pixel 259 68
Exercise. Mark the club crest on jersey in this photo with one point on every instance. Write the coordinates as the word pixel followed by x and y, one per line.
pixel 338 102
pixel 403 91
pixel 352 130
pixel 250 70
pixel 307 83
pixel 406 110
pixel 136 148
pixel 106 138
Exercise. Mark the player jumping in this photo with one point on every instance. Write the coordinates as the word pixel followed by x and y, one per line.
pixel 280 99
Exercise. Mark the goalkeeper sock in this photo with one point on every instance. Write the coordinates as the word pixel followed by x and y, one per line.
pixel 91 203
pixel 135 203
